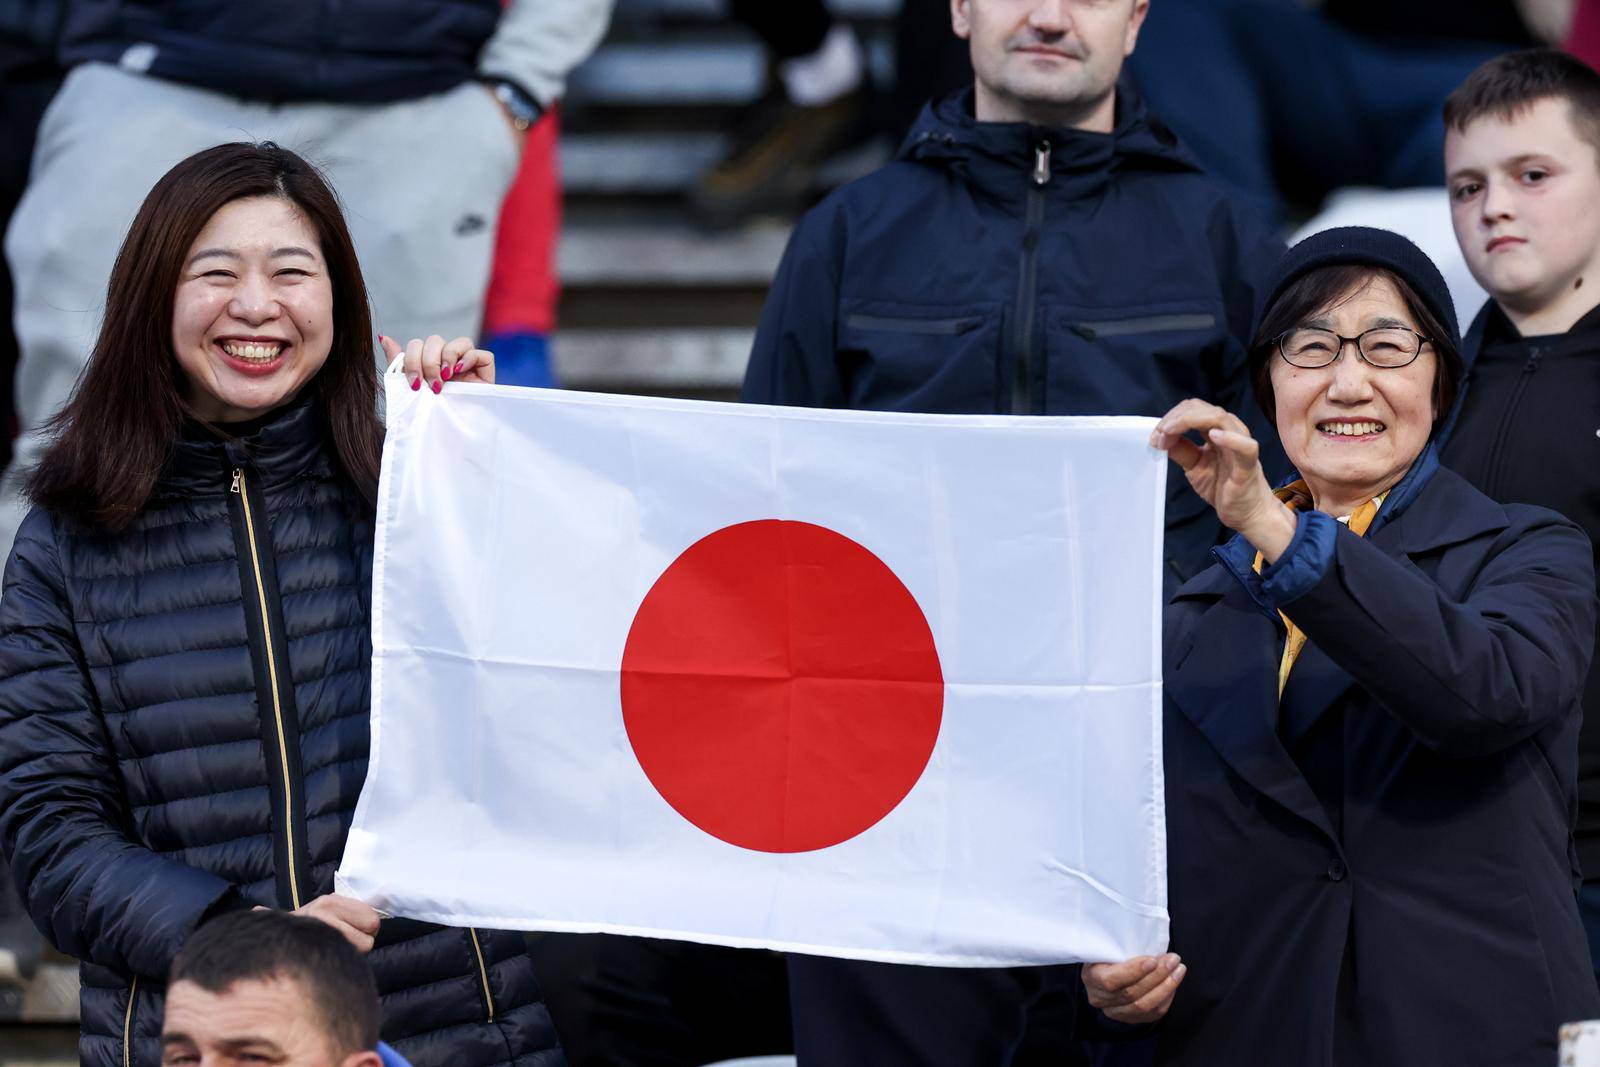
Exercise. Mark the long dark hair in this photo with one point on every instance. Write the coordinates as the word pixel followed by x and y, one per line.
pixel 115 433
pixel 1317 289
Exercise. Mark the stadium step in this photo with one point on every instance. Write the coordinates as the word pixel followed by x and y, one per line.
pixel 650 303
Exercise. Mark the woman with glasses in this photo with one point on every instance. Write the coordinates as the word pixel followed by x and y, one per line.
pixel 1372 712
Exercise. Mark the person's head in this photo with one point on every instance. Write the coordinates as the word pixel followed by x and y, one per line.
pixel 236 292
pixel 1050 62
pixel 1354 415
pixel 1522 162
pixel 270 987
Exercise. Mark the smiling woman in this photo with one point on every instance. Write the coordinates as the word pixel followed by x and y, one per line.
pixel 1371 712
pixel 184 631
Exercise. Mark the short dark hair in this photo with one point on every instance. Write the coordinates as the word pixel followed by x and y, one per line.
pixel 252 946
pixel 1317 289
pixel 1509 84
pixel 113 437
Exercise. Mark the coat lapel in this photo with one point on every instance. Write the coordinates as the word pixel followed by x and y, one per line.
pixel 1225 682
pixel 1315 685
pixel 1446 511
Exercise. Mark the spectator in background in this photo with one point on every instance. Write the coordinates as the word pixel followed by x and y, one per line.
pixel 265 987
pixel 1523 167
pixel 1042 245
pixel 1221 71
pixel 416 107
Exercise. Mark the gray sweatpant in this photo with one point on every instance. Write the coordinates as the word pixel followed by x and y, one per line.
pixel 421 182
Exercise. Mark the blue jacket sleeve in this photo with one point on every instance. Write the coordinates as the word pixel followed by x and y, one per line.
pixel 64 822
pixel 1468 677
pixel 792 361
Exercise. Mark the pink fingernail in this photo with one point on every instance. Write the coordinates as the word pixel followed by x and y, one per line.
pixel 437 386
pixel 461 365
pixel 416 383
pixel 444 372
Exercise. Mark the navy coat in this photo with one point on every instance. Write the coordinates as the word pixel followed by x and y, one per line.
pixel 158 764
pixel 1002 267
pixel 1386 877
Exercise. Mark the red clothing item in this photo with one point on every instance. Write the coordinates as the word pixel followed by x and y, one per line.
pixel 1583 36
pixel 523 286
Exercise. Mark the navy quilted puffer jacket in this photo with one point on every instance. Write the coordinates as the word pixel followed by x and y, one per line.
pixel 183 729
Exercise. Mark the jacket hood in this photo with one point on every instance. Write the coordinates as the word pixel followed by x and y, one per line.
pixel 947 134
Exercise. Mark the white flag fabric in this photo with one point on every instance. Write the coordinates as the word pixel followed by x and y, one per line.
pixel 880 686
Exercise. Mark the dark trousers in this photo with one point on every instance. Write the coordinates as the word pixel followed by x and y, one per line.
pixel 25 92
pixel 1273 96
pixel 848 1012
pixel 641 1002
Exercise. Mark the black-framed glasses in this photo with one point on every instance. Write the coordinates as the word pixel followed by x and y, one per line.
pixel 1388 347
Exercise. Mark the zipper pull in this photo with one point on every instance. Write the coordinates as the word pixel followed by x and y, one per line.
pixel 237 475
pixel 1041 163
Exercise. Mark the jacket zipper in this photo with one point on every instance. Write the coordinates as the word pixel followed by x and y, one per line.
pixel 241 488
pixel 1027 288
pixel 483 972
pixel 127 1024
pixel 1499 450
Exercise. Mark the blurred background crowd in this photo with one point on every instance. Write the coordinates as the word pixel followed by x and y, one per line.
pixel 602 193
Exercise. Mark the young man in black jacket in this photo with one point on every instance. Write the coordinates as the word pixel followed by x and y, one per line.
pixel 1522 157
pixel 1042 245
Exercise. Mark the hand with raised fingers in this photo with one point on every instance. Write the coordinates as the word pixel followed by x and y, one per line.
pixel 431 363
pixel 1137 991
pixel 357 921
pixel 1225 471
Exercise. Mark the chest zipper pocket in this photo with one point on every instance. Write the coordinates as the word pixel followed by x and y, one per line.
pixel 483 972
pixel 1094 331
pixel 928 327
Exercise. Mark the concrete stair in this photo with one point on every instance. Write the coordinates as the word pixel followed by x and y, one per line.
pixel 651 304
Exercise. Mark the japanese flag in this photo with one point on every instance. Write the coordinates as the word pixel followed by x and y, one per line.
pixel 881 686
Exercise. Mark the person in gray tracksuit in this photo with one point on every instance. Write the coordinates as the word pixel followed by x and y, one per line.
pixel 414 108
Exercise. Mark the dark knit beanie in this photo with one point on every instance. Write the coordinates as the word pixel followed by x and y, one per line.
pixel 1369 246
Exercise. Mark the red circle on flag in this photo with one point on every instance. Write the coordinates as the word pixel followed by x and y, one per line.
pixel 780 686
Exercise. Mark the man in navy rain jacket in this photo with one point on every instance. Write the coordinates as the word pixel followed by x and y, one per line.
pixel 1042 245
pixel 1032 265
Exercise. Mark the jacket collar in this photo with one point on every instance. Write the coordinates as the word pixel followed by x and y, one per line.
pixel 999 157
pixel 289 444
pixel 1493 326
pixel 1222 673
pixel 1237 556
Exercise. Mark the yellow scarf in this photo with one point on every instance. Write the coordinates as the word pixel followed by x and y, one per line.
pixel 1298 496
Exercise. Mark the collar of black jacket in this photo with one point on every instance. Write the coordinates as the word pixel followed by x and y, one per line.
pixel 1498 329
pixel 1002 156
pixel 287 444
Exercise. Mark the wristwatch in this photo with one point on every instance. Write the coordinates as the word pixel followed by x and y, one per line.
pixel 518 102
